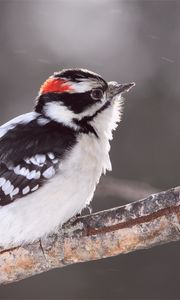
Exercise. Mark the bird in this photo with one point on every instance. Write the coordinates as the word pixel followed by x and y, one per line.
pixel 51 159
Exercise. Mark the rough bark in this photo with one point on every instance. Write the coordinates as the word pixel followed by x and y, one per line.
pixel 138 225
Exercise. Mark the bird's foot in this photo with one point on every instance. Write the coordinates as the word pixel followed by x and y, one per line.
pixel 87 210
pixel 90 209
pixel 71 222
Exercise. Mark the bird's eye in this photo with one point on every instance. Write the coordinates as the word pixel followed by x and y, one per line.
pixel 96 94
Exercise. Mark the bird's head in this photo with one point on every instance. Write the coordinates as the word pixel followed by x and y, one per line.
pixel 73 95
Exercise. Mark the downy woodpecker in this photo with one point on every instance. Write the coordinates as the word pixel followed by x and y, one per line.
pixel 51 159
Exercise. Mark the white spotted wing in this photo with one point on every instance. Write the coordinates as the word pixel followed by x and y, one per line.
pixel 26 177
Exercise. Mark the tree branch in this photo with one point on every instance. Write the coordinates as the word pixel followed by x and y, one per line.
pixel 138 225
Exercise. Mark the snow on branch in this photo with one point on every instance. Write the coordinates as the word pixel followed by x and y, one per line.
pixel 138 225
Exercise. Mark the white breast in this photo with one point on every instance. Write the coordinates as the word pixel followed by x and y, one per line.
pixel 66 194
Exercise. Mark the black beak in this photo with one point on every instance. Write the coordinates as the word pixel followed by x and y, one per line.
pixel 115 88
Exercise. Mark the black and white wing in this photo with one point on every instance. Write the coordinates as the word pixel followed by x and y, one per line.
pixel 30 155
pixel 26 177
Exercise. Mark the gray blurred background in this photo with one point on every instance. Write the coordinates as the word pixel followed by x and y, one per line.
pixel 124 41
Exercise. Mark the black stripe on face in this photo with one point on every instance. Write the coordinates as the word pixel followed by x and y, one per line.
pixel 84 124
pixel 76 102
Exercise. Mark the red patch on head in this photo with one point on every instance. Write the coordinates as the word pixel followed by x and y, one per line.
pixel 55 85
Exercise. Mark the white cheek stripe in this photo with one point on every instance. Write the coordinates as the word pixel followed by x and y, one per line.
pixel 82 86
pixel 60 113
